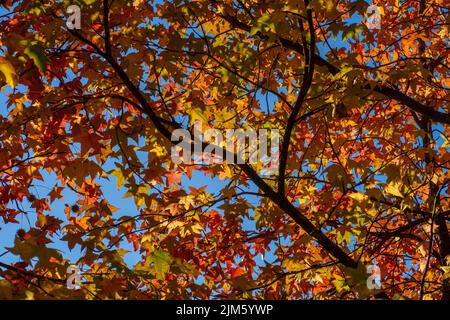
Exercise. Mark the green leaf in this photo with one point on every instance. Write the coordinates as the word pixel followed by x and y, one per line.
pixel 161 263
pixel 37 54
pixel 197 114
pixel 29 249
pixel 263 24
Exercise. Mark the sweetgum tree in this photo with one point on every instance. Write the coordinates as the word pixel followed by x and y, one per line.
pixel 363 162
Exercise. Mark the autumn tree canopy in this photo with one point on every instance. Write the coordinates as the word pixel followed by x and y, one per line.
pixel 363 172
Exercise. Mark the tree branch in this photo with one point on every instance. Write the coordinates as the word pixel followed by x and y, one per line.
pixel 284 204
pixel 307 81
pixel 389 92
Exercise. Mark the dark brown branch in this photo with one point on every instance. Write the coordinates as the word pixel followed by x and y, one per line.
pixel 389 92
pixel 106 27
pixel 31 274
pixel 284 204
pixel 308 76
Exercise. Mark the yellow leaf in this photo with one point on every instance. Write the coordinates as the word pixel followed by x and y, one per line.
pixel 446 270
pixel 394 189
pixel 120 179
pixel 358 196
pixel 227 172
pixel 29 295
pixel 197 114
pixel 9 72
